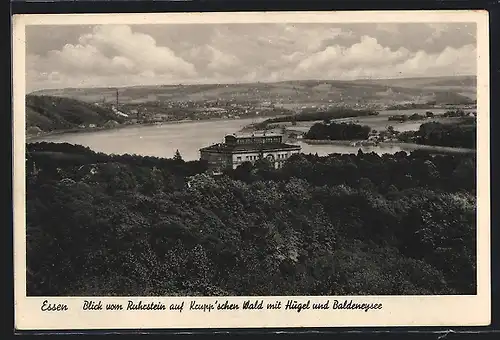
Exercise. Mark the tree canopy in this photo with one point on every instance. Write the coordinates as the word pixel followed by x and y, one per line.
pixel 342 224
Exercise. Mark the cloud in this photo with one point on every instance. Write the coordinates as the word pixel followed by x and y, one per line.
pixel 368 52
pixel 369 59
pixel 139 49
pixel 112 55
pixel 81 59
pixel 213 59
pixel 111 52
pixel 448 62
pixel 390 28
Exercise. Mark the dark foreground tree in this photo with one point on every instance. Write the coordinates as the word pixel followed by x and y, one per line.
pixel 336 225
pixel 177 155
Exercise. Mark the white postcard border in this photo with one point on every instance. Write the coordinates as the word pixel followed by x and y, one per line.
pixel 396 310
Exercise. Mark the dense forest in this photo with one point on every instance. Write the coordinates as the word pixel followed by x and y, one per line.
pixel 338 131
pixel 462 134
pixel 306 116
pixel 51 113
pixel 342 224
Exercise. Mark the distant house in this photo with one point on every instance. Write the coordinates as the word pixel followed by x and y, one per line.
pixel 158 119
pixel 92 125
pixel 399 118
pixel 34 130
pixel 118 112
pixel 134 113
pixel 111 123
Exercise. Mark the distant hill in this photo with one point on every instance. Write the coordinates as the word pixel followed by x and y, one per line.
pixel 50 113
pixel 464 81
pixel 66 109
pixel 463 86
pixel 379 91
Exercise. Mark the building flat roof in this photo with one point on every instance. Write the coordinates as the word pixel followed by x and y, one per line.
pixel 249 147
pixel 259 134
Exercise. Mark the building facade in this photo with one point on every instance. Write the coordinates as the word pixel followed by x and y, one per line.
pixel 248 148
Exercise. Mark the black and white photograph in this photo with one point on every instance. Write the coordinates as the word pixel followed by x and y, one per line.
pixel 252 159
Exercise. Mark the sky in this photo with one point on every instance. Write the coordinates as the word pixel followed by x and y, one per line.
pixel 125 55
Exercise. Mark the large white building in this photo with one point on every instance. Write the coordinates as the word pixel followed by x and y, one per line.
pixel 248 148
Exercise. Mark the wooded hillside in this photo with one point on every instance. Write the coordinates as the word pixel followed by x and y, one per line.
pixel 50 113
pixel 336 225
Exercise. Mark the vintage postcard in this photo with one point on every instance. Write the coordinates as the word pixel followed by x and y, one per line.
pixel 259 169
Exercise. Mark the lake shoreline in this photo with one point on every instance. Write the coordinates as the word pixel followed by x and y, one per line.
pixel 162 140
pixel 401 145
pixel 43 135
pixel 79 131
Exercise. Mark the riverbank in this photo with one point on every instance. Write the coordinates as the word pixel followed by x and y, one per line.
pixel 401 145
pixel 40 136
pixel 79 130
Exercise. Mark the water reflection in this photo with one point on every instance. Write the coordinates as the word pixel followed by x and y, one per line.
pixel 189 137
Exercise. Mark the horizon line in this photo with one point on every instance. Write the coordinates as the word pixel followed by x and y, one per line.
pixel 249 82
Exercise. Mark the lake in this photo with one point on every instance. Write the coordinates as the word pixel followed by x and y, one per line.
pixel 381 121
pixel 189 137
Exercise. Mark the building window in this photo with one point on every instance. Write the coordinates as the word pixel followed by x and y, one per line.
pixel 238 158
